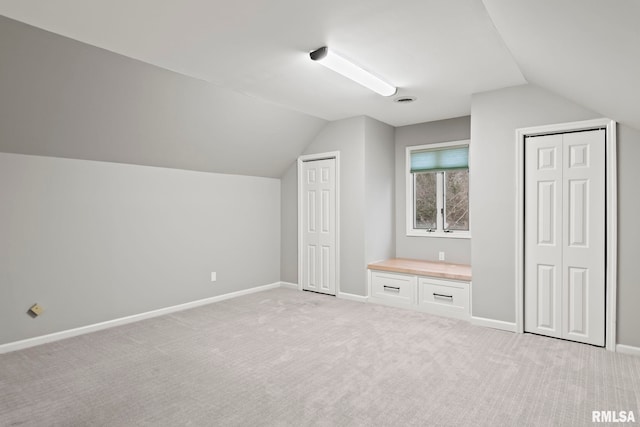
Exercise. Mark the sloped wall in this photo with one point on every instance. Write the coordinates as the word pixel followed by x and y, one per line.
pixel 64 98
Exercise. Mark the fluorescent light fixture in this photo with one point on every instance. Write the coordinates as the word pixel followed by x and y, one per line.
pixel 340 65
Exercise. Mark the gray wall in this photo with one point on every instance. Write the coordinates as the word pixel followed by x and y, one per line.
pixel 366 182
pixel 64 98
pixel 379 164
pixel 289 225
pixel 94 241
pixel 347 136
pixel 495 116
pixel 628 236
pixel 427 248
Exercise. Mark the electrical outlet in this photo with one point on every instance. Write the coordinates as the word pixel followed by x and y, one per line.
pixel 214 276
pixel 441 256
pixel 36 310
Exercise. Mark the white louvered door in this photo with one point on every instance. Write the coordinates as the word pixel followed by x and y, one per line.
pixel 565 236
pixel 319 226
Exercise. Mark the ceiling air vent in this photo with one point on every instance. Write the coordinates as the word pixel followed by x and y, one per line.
pixel 404 99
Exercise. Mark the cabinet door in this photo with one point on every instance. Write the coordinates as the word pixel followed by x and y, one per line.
pixel 393 288
pixel 444 297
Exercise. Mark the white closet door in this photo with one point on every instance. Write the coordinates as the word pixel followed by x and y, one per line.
pixel 318 225
pixel 565 236
pixel 543 235
pixel 584 237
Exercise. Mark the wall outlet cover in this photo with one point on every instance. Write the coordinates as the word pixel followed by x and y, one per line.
pixel 214 276
pixel 36 310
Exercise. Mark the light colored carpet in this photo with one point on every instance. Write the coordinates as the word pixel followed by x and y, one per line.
pixel 289 358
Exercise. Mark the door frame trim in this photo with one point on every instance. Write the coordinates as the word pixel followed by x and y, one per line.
pixel 307 158
pixel 611 184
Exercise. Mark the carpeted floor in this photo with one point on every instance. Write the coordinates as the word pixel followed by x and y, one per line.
pixel 290 358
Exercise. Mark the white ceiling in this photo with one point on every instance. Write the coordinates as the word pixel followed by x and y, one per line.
pixel 440 51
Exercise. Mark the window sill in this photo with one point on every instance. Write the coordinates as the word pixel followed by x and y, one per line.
pixel 439 234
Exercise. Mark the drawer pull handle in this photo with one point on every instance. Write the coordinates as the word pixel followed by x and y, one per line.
pixel 391 288
pixel 449 297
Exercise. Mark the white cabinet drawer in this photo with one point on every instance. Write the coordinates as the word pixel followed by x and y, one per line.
pixel 444 297
pixel 393 289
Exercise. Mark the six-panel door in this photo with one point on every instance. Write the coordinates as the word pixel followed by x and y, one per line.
pixel 565 236
pixel 318 226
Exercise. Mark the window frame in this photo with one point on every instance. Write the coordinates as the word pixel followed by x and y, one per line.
pixel 411 231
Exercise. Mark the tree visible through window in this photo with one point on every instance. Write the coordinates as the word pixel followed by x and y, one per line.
pixel 438 197
pixel 456 196
pixel 426 200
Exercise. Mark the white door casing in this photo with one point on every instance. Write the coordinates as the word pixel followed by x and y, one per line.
pixel 565 236
pixel 318 225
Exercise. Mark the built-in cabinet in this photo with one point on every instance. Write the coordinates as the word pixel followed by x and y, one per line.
pixel 422 285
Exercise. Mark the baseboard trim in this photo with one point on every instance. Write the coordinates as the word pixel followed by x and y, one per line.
pixel 57 336
pixel 628 349
pixel 495 324
pixel 341 295
pixel 352 297
pixel 289 285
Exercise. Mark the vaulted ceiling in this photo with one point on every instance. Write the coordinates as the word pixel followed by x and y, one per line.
pixel 440 51
pixel 585 50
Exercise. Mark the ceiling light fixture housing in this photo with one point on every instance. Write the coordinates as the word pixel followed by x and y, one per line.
pixel 340 65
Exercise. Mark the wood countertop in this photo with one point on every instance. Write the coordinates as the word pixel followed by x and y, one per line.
pixel 424 268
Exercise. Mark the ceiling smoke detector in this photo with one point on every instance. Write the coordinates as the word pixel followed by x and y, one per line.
pixel 405 99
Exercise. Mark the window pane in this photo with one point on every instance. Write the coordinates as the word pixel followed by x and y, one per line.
pixel 425 194
pixel 456 200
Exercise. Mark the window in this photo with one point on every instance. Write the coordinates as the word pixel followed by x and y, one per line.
pixel 438 190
